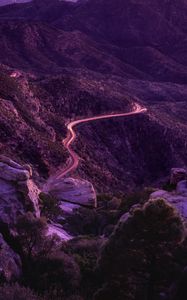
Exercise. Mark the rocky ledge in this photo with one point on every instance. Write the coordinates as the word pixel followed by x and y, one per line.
pixel 74 191
pixel 10 262
pixel 178 195
pixel 18 192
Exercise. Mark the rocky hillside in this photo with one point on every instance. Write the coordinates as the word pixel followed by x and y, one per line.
pixel 115 229
pixel 130 246
pixel 40 48
pixel 138 34
pixel 34 112
pixel 87 58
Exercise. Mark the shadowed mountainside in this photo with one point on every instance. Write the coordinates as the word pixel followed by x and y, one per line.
pixel 92 57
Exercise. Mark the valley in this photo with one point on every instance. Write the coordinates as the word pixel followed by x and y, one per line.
pixel 93 143
pixel 70 68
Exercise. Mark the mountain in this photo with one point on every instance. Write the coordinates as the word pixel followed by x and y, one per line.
pixel 136 38
pixel 110 54
pixel 42 48
pixel 93 143
pixel 126 23
pixel 6 2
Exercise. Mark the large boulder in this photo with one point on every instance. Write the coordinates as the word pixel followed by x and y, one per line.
pixel 10 262
pixel 18 193
pixel 11 171
pixel 58 230
pixel 177 174
pixel 74 191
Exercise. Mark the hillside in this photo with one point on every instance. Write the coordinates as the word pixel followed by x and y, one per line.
pixel 93 143
pixel 71 54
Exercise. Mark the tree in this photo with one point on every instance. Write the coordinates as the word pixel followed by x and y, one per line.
pixel 136 262
pixel 50 206
pixel 55 273
pixel 31 232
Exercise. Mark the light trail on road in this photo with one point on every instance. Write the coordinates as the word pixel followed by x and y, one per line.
pixel 73 160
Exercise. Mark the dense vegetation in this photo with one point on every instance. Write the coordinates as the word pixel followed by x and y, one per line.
pixel 141 254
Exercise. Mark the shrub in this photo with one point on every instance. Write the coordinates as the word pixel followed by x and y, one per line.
pixel 138 197
pixel 56 273
pixel 169 186
pixel 50 206
pixel 137 261
pixel 17 292
pixel 31 232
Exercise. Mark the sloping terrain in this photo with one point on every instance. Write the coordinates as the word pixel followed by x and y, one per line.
pixel 129 37
pixel 61 64
pixel 88 58
pixel 40 48
pixel 34 111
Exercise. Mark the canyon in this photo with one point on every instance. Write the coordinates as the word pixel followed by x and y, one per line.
pixel 93 142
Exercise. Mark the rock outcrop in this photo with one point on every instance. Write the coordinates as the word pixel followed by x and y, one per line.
pixel 18 193
pixel 178 197
pixel 57 229
pixel 10 262
pixel 75 191
pixel 177 174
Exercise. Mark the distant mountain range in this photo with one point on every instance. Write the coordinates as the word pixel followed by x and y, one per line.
pixel 63 67
pixel 5 2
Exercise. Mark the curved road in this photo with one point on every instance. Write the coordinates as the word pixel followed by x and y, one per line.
pixel 73 160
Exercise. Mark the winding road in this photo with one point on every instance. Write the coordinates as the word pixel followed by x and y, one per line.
pixel 73 160
pixel 54 181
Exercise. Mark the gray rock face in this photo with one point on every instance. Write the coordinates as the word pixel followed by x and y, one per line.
pixel 74 190
pixel 10 263
pixel 57 229
pixel 178 174
pixel 177 198
pixel 182 188
pixel 10 204
pixel 7 172
pixel 18 193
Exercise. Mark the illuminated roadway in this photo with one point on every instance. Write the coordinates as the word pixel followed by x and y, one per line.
pixel 73 160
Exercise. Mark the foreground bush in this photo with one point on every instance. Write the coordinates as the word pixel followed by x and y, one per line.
pixel 137 261
pixel 50 207
pixel 31 232
pixel 17 292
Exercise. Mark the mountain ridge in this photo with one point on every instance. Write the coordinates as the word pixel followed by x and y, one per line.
pixel 95 57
